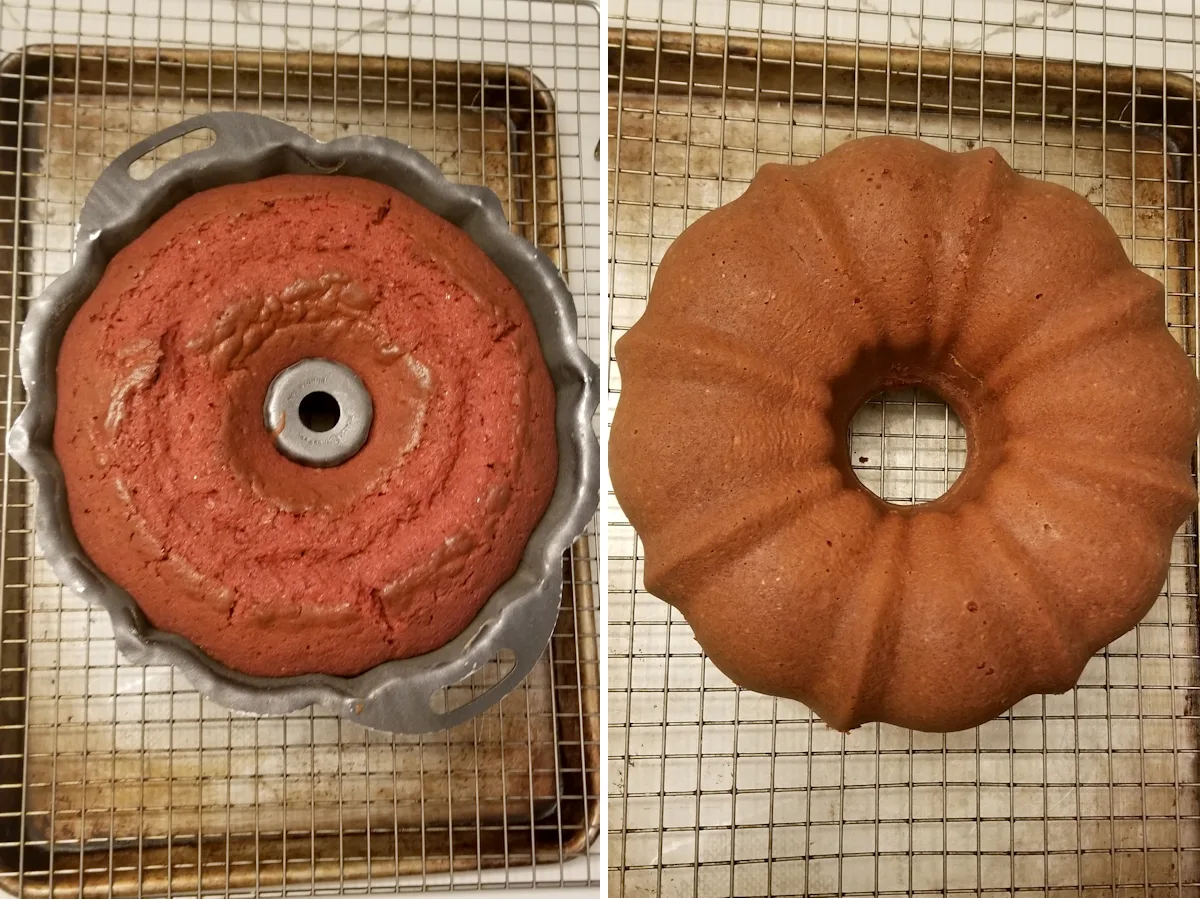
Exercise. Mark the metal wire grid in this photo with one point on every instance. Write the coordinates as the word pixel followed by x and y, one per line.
pixel 116 779
pixel 719 791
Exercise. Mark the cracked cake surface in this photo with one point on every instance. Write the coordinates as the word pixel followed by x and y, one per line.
pixel 175 486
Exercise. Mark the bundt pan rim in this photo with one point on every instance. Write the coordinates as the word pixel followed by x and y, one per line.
pixel 520 616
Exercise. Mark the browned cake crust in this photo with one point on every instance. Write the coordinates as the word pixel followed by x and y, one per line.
pixel 889 263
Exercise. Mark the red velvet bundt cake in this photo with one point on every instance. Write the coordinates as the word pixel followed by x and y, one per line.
pixel 177 488
pixel 890 263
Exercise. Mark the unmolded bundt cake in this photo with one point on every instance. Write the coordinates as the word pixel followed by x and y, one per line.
pixel 890 263
pixel 177 490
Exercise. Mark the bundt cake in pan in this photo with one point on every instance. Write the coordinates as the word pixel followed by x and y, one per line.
pixel 891 263
pixel 184 376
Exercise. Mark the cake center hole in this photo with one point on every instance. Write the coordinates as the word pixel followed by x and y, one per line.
pixel 319 411
pixel 907 446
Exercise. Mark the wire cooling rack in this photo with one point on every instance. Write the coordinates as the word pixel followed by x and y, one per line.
pixel 720 791
pixel 122 780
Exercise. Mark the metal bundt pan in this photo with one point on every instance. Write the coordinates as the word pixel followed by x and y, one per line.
pixel 519 617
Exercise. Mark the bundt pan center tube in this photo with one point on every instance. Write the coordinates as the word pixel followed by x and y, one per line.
pixel 319 412
pixel 325 414
pixel 890 263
